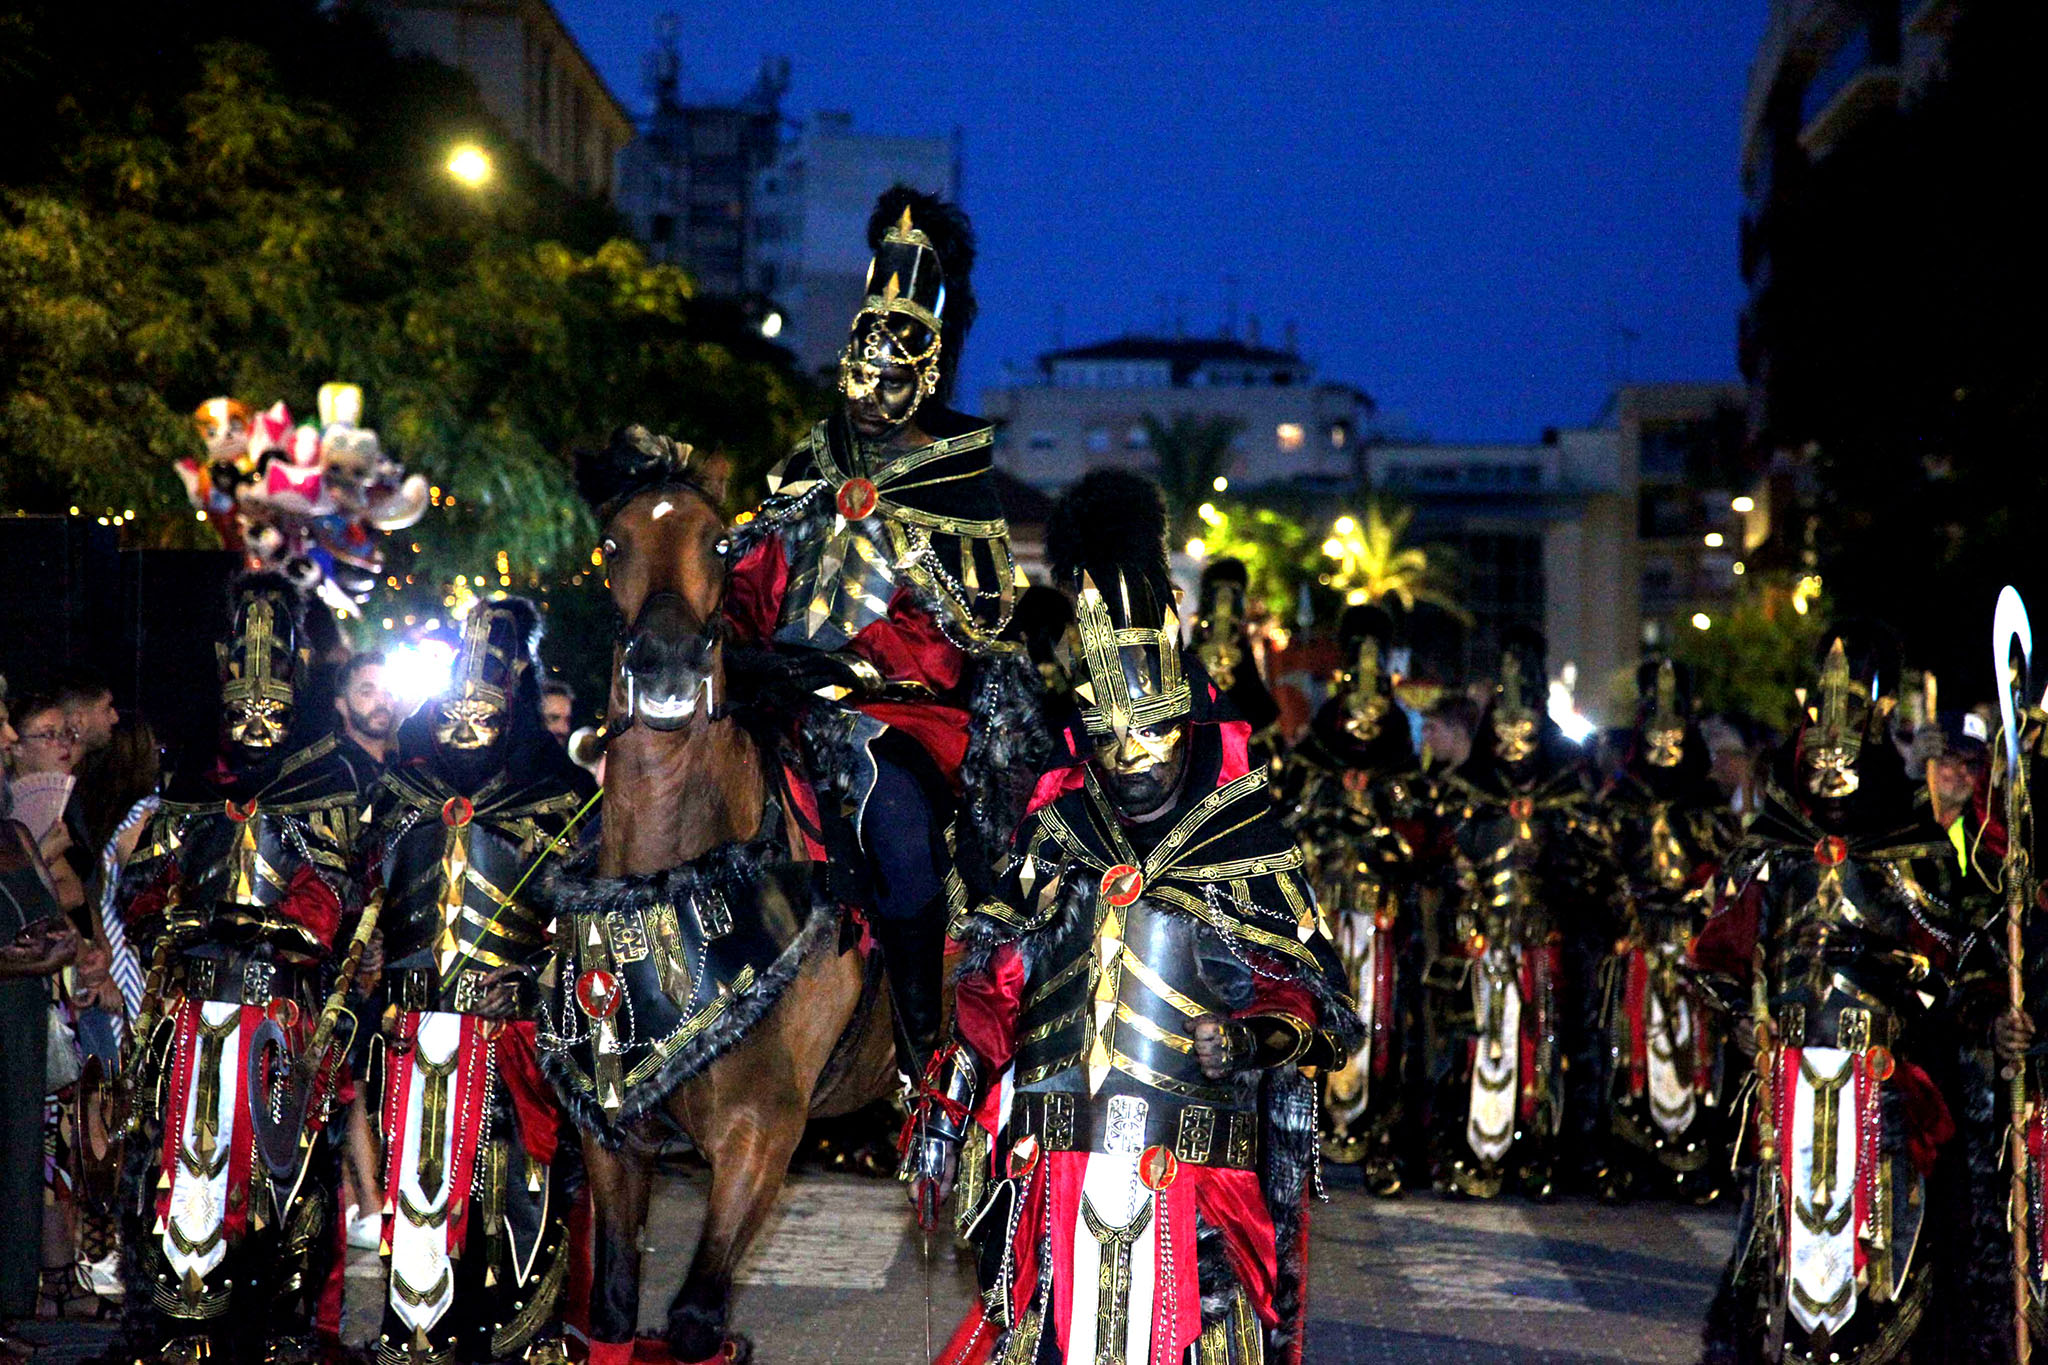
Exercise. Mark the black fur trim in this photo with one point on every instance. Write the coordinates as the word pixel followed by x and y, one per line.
pixel 1213 1274
pixel 1293 1149
pixel 1008 746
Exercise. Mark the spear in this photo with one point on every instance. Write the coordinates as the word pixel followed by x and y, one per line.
pixel 2010 627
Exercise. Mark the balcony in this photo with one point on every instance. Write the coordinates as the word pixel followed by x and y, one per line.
pixel 1854 82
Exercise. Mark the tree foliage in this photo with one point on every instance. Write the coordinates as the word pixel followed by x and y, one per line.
pixel 234 219
pixel 1756 653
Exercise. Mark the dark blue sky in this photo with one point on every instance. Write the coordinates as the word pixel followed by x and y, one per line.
pixel 1461 204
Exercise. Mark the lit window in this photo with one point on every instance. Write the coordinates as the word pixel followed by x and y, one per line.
pixel 1288 434
pixel 1714 540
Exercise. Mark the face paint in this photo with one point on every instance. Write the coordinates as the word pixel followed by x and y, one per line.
pixel 1829 771
pixel 1664 748
pixel 1364 718
pixel 1514 740
pixel 467 723
pixel 1140 771
pixel 259 723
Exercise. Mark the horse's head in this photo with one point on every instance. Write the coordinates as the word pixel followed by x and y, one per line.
pixel 665 559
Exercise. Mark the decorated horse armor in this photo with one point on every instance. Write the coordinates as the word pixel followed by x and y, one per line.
pixel 1666 1084
pixel 475 1219
pixel 878 573
pixel 1506 985
pixel 1353 797
pixel 237 893
pixel 1127 1201
pixel 1842 910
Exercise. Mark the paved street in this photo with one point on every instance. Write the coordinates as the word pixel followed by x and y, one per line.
pixel 839 1278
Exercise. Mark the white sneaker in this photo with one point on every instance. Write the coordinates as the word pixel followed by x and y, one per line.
pixel 366 1233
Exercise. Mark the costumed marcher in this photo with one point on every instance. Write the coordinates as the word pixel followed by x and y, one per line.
pixel 1841 922
pixel 1134 1007
pixel 1352 794
pixel 475 1219
pixel 879 572
pixel 1665 1115
pixel 1511 986
pixel 1222 638
pixel 237 897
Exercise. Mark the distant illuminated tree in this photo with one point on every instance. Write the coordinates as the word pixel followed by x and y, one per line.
pixel 1371 564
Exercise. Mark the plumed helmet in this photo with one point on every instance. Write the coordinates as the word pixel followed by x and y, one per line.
pixel 1106 544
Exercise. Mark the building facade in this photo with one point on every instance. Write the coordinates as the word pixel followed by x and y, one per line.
pixel 1607 538
pixel 534 79
pixel 686 183
pixel 1087 407
pixel 808 231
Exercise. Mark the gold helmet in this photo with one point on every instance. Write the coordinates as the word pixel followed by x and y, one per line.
pixel 1105 541
pixel 260 660
pixel 495 654
pixel 902 320
pixel 1664 714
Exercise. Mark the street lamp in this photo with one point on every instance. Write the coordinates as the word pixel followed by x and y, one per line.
pixel 469 165
pixel 771 326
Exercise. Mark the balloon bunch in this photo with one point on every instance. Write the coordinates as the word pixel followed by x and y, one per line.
pixel 306 501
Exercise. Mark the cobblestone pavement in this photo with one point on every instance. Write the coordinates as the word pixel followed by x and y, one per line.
pixel 839 1277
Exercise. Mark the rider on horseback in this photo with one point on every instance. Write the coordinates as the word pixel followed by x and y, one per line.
pixel 878 573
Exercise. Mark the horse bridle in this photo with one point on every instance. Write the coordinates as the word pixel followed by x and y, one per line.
pixel 708 637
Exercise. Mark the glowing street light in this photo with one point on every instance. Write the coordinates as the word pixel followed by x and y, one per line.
pixel 1701 621
pixel 1197 548
pixel 470 165
pixel 1714 540
pixel 1220 484
pixel 771 326
pixel 1745 503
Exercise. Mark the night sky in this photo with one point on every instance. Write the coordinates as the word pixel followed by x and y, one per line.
pixel 1465 207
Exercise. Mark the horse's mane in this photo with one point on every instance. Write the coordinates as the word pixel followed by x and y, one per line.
pixel 633 462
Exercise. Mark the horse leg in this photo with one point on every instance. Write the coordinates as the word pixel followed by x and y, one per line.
pixel 748 1139
pixel 619 1185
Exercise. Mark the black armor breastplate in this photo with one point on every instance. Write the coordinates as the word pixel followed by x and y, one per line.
pixel 1109 1013
pixel 239 862
pixel 1841 961
pixel 455 908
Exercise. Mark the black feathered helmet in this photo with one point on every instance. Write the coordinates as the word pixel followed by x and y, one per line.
pixel 1106 543
pixel 918 305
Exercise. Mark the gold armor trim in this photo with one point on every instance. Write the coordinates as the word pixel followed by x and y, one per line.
pixel 1113 1280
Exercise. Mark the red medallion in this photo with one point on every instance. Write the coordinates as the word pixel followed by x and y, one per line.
pixel 597 993
pixel 1158 1168
pixel 456 812
pixel 1023 1157
pixel 1521 807
pixel 243 813
pixel 284 1012
pixel 857 498
pixel 1881 1063
pixel 1122 884
pixel 1831 852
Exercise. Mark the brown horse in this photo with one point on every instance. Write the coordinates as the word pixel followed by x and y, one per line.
pixel 683 778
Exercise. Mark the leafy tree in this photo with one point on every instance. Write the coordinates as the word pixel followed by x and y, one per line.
pixel 1193 450
pixel 188 220
pixel 1755 654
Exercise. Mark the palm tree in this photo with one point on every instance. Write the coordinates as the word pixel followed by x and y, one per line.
pixel 1373 564
pixel 1193 450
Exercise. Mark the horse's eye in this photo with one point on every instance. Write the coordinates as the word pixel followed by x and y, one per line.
pixel 608 547
pixel 722 547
